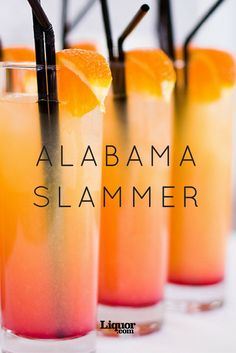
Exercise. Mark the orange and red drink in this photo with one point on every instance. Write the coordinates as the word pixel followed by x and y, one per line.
pixel 204 121
pixel 133 252
pixel 49 239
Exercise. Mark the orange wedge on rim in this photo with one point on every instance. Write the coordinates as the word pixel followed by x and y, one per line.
pixel 18 54
pixel 149 72
pixel 204 82
pixel 210 72
pixel 224 63
pixel 84 80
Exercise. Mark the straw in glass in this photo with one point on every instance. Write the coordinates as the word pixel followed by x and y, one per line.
pixel 129 29
pixel 49 38
pixel 118 63
pixel 107 27
pixel 165 29
pixel 193 33
pixel 48 112
pixel 40 61
pixel 121 87
pixel 64 24
pixel 68 27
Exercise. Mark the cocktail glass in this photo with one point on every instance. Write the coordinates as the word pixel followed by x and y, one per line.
pixel 133 252
pixel 201 227
pixel 49 245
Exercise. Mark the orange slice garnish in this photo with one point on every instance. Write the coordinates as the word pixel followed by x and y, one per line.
pixel 223 62
pixel 149 72
pixel 204 83
pixel 84 79
pixel 18 54
pixel 210 72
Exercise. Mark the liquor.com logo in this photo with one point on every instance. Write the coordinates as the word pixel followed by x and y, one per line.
pixel 121 328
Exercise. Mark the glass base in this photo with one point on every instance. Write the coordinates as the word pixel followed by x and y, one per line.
pixel 10 343
pixel 147 320
pixel 192 299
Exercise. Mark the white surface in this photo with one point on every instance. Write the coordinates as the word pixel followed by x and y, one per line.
pixel 213 332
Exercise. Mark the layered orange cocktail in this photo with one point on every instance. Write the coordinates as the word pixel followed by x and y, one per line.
pixel 49 234
pixel 133 252
pixel 204 121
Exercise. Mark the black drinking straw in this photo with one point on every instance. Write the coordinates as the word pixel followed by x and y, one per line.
pixel 64 24
pixel 49 38
pixel 51 72
pixel 191 36
pixel 165 28
pixel 117 63
pixel 48 113
pixel 40 61
pixel 107 26
pixel 131 26
pixel 68 27
pixel 119 71
pixel 82 14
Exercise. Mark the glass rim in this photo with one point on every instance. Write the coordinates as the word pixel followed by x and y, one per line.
pixel 26 65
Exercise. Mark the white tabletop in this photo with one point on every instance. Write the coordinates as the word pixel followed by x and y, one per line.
pixel 212 332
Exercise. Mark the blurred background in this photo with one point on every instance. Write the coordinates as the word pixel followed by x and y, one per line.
pixel 16 25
